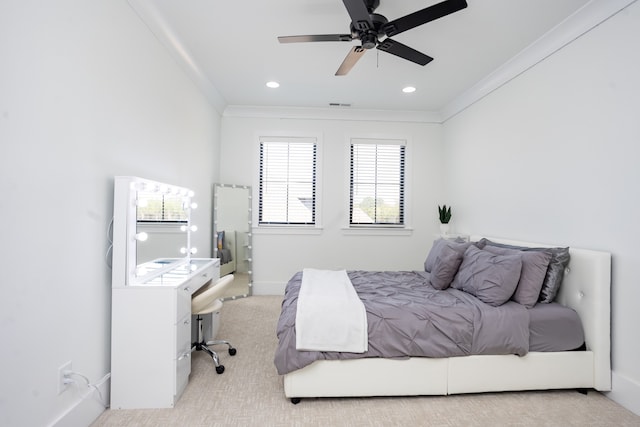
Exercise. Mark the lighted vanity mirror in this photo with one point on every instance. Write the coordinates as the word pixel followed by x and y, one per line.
pixel 157 223
pixel 232 241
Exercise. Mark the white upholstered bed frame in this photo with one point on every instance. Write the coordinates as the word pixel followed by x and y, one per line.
pixel 586 288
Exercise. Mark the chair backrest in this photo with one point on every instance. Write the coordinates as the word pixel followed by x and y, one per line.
pixel 204 297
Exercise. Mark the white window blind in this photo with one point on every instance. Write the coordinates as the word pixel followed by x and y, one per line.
pixel 377 182
pixel 287 181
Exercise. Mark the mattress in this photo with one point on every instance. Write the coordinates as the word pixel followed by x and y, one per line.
pixel 554 327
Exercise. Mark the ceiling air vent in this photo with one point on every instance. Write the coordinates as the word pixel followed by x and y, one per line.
pixel 338 104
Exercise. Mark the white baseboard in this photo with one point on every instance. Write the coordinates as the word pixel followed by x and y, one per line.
pixel 268 288
pixel 87 408
pixel 625 392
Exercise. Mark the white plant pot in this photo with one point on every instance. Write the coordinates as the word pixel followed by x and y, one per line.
pixel 444 229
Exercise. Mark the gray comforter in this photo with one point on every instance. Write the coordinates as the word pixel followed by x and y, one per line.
pixel 407 317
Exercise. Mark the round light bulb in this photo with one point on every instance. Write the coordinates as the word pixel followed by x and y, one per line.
pixel 273 85
pixel 142 236
pixel 409 89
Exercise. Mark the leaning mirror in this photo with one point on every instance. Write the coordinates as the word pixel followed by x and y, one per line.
pixel 232 236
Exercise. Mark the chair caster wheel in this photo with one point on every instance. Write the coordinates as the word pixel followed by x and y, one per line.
pixel 232 351
pixel 220 369
pixel 295 400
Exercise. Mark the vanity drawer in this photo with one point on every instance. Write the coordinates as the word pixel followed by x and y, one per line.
pixel 183 335
pixel 183 369
pixel 183 303
pixel 202 277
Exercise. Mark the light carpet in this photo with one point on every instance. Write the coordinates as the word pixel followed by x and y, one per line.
pixel 250 393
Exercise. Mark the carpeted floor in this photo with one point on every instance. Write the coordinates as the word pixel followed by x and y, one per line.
pixel 250 393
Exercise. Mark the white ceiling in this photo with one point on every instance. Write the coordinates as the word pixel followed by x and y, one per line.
pixel 233 46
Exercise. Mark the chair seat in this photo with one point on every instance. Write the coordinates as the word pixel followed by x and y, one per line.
pixel 212 307
pixel 207 299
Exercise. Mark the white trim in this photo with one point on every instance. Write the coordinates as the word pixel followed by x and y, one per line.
pixel 308 113
pixel 88 407
pixel 150 16
pixel 579 23
pixel 625 391
pixel 376 231
pixel 287 229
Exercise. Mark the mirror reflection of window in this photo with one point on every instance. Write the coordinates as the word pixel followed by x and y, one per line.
pixel 161 216
pixel 157 207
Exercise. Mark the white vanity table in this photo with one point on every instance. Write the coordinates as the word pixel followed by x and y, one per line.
pixel 151 305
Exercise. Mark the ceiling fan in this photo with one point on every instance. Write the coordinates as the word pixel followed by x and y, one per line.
pixel 369 27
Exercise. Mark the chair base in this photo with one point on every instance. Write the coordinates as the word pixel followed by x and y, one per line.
pixel 202 345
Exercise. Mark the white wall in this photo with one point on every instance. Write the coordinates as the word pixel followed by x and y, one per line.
pixel 552 156
pixel 86 93
pixel 277 257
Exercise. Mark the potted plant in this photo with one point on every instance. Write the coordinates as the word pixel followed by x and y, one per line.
pixel 445 216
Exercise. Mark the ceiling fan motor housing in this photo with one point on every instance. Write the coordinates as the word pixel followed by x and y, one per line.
pixel 369 36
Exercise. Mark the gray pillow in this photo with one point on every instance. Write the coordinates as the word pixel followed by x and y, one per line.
pixel 534 269
pixel 489 277
pixel 555 272
pixel 437 247
pixel 445 267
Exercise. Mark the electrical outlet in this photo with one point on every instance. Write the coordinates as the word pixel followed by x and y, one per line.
pixel 62 386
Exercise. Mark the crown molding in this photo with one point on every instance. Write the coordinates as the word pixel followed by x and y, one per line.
pixel 337 113
pixel 150 16
pixel 579 23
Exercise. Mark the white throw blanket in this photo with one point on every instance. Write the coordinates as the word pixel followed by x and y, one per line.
pixel 330 315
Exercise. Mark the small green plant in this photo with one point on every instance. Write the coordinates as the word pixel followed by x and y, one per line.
pixel 445 214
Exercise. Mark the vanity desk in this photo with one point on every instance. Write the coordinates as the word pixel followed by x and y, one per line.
pixel 151 295
pixel 151 336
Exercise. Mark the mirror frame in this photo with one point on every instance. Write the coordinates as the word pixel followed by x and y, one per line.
pixel 125 227
pixel 249 242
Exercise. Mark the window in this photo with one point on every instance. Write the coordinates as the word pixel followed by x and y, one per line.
pixel 287 186
pixel 377 182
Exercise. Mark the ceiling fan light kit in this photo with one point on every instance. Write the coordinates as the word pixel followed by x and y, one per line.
pixel 374 30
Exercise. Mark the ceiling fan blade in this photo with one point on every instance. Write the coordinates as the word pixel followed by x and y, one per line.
pixel 423 16
pixel 403 51
pixel 350 60
pixel 359 14
pixel 316 38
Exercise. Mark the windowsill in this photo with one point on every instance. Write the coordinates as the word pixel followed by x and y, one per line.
pixel 289 229
pixel 376 231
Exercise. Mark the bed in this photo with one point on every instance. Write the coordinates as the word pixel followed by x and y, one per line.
pixel 585 289
pixel 226 251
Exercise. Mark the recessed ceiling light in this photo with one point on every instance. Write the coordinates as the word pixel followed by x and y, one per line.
pixel 409 89
pixel 273 85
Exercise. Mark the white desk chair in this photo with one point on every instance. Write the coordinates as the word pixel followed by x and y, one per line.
pixel 205 301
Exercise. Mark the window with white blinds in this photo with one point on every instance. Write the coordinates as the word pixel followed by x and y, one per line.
pixel 377 182
pixel 287 188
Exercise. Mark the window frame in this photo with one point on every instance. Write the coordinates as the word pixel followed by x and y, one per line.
pixel 379 229
pixel 288 228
